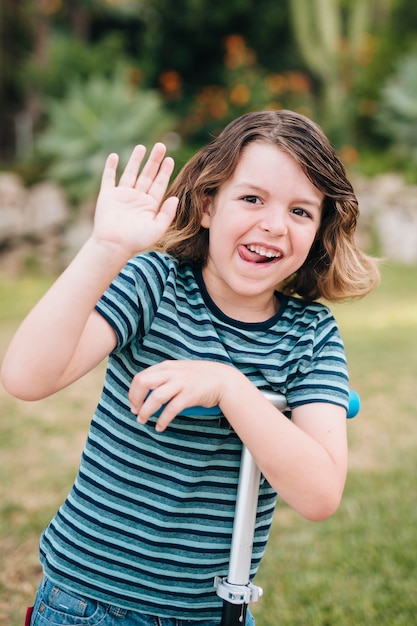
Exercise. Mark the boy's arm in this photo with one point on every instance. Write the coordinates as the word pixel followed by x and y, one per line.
pixel 63 337
pixel 304 459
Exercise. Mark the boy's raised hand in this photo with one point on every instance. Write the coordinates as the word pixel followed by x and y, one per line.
pixel 130 214
pixel 130 217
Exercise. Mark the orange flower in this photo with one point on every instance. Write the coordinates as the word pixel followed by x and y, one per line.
pixel 235 60
pixel 237 53
pixel 298 83
pixel 349 155
pixel 211 102
pixel 234 44
pixel 240 95
pixel 171 83
pixel 276 83
pixel 209 93
pixel 219 109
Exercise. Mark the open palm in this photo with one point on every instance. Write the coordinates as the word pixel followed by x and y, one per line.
pixel 131 214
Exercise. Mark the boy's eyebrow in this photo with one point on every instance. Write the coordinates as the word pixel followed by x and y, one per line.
pixel 254 187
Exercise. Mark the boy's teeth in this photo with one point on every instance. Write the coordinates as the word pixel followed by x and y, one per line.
pixel 263 251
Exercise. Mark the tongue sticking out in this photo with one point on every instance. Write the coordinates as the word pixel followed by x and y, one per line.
pixel 254 257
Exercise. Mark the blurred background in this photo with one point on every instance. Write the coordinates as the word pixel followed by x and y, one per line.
pixel 82 78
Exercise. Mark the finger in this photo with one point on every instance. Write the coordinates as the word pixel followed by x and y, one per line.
pixel 146 392
pixel 168 414
pixel 160 183
pixel 166 214
pixel 137 393
pixel 156 402
pixel 151 168
pixel 108 178
pixel 131 171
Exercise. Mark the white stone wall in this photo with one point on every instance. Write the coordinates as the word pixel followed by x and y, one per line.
pixel 38 228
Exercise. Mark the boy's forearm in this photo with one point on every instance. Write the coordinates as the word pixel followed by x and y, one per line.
pixel 313 486
pixel 47 339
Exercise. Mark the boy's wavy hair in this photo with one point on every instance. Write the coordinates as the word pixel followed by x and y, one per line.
pixel 335 268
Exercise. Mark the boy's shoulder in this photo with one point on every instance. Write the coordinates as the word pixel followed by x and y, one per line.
pixel 306 307
pixel 152 264
pixel 158 270
pixel 151 258
pixel 303 314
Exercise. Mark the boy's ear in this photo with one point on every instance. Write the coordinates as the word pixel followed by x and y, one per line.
pixel 206 211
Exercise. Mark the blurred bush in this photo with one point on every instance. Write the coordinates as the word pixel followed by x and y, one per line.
pixel 96 117
pixel 396 117
pixel 70 58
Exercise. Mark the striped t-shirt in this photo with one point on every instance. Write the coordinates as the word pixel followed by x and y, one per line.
pixel 147 525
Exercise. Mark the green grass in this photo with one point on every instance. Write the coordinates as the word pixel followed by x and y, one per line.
pixel 357 568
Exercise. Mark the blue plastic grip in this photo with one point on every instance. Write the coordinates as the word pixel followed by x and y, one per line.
pixel 354 404
pixel 353 408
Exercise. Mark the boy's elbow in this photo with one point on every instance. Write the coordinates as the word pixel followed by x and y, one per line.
pixel 15 384
pixel 321 508
pixel 10 386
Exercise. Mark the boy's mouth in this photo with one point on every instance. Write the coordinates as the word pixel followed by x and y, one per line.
pixel 259 254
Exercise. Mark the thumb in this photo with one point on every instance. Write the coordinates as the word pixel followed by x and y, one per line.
pixel 167 211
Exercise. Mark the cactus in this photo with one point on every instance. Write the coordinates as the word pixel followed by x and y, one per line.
pixel 331 35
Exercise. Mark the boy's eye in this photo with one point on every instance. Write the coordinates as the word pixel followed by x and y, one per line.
pixel 251 199
pixel 301 212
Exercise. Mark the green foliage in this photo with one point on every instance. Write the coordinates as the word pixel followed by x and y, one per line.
pixel 345 47
pixel 187 36
pixel 71 59
pixel 333 38
pixel 397 113
pixel 95 118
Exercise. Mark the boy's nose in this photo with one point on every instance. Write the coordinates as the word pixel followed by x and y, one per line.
pixel 274 221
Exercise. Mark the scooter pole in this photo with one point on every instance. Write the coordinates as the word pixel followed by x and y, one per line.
pixel 236 589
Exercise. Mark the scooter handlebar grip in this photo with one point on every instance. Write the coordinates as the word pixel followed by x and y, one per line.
pixel 354 404
pixel 352 411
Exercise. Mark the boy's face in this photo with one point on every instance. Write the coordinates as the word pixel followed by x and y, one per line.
pixel 262 224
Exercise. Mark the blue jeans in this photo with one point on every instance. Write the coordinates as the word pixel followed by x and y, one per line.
pixel 56 607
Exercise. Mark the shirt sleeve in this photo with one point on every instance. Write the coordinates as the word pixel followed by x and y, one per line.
pixel 320 373
pixel 131 300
